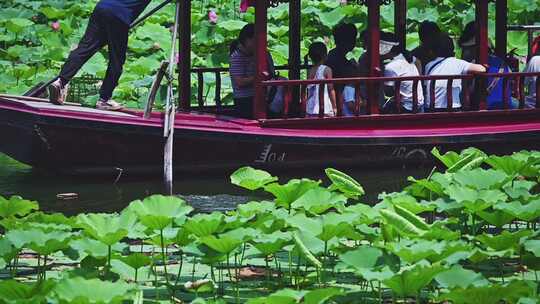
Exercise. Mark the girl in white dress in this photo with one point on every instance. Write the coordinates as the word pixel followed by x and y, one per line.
pixel 317 54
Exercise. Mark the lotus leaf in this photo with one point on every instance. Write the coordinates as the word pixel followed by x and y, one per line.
pixel 269 244
pixel 473 200
pixel 224 244
pixel 344 183
pixel 286 194
pixel 512 165
pixel 44 243
pixel 200 286
pixel 526 212
pixel 205 224
pixel 94 248
pixel 301 240
pixel 251 179
pixel 481 179
pixel 458 277
pixel 321 296
pixel 128 272
pixel 251 209
pixel 494 293
pixel 409 280
pixel 533 246
pixel 505 240
pixel 284 296
pixel 106 228
pixel 497 218
pixel 78 290
pixel 404 200
pixel 16 206
pixel 158 211
pixel 319 200
pixel 12 291
pixel 402 225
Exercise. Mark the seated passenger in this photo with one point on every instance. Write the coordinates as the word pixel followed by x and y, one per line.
pixel 533 66
pixel 242 67
pixel 428 32
pixel 402 64
pixel 317 54
pixel 496 65
pixel 345 38
pixel 447 64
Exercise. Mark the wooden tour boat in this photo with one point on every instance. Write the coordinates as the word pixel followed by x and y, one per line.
pixel 74 139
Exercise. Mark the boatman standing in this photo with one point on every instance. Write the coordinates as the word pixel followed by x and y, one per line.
pixel 108 25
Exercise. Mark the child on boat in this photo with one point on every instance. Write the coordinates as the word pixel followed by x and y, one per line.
pixel 533 66
pixel 402 64
pixel 447 64
pixel 317 54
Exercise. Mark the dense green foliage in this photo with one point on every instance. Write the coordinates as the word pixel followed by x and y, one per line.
pixel 466 235
pixel 36 36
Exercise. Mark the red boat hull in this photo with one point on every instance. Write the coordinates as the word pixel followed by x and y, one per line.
pixel 73 140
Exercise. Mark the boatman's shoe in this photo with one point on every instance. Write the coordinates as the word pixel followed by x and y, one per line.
pixel 109 105
pixel 58 93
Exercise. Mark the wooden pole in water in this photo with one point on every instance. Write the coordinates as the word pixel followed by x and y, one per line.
pixel 184 64
pixel 170 111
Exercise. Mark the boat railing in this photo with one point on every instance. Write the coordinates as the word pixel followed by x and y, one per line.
pixel 220 88
pixel 510 81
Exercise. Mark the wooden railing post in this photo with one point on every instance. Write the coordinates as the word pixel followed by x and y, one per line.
pixel 374 12
pixel 501 21
pixel 261 54
pixel 295 60
pixel 184 64
pixel 483 47
pixel 400 21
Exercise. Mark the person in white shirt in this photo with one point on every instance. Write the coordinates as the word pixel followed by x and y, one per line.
pixel 402 64
pixel 533 66
pixel 447 64
pixel 318 53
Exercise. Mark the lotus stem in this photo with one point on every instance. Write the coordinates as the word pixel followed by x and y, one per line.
pixel 179 270
pixel 193 269
pixel 290 268
pixel 267 272
pixel 163 257
pixel 237 279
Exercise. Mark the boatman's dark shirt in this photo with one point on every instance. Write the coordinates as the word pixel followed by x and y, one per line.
pixel 125 10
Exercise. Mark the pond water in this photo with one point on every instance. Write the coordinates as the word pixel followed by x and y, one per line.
pixel 205 193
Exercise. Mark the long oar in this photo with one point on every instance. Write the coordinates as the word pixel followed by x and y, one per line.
pixel 170 111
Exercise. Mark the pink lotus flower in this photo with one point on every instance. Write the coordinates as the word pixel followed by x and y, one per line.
pixel 177 58
pixel 212 16
pixel 343 2
pixel 55 26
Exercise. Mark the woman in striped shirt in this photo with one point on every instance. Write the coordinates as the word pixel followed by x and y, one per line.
pixel 242 69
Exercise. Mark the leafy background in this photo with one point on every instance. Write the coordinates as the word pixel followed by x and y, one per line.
pixel 32 50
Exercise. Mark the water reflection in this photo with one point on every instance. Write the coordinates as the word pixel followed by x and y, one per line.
pixel 205 193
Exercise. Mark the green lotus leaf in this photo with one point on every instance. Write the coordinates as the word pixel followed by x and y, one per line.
pixel 201 286
pixel 251 179
pixel 404 200
pixel 16 206
pixel 526 212
pixel 410 280
pixel 90 247
pixel 183 238
pixel 107 228
pixel 284 296
pixel 286 194
pixel 366 213
pixel 44 243
pixel 497 218
pixel 232 25
pixel 223 243
pixel 478 255
pixel 423 187
pixel 363 257
pixel 17 25
pixel 7 250
pixel 303 223
pixel 51 218
pixel 253 208
pixel 481 179
pixel 473 200
pixel 449 159
pixel 307 245
pixel 344 183
pixel 505 240
pixel 512 165
pixel 269 244
pixel 413 251
pixel 128 272
pixel 493 293
pixel 205 224
pixel 402 225
pixel 136 260
pixel 458 277
pixel 335 225
pixel 158 211
pixel 79 290
pixel 319 200
pixel 12 291
pixel 321 296
pixel 533 246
